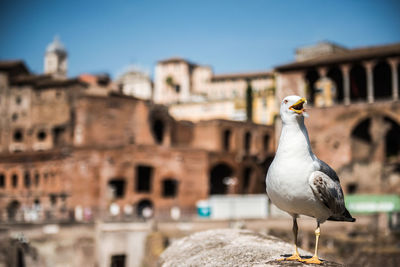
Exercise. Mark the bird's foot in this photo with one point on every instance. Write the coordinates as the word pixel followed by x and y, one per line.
pixel 294 257
pixel 313 260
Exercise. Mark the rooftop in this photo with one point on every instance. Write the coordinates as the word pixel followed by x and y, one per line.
pixel 345 56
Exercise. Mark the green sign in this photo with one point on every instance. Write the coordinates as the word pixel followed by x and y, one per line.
pixel 372 203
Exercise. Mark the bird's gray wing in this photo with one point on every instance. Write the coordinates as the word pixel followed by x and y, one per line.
pixel 325 168
pixel 328 191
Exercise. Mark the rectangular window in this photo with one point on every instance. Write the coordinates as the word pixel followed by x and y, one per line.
pixel 144 176
pixel 118 260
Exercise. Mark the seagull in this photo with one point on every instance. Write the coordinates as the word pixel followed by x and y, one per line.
pixel 300 183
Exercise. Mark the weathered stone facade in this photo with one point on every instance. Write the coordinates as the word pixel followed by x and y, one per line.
pixel 76 151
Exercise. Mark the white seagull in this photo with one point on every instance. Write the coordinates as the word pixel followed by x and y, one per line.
pixel 300 183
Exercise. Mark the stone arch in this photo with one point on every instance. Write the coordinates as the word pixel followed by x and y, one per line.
pixel 382 80
pixel 142 208
pixel 358 83
pixel 159 121
pixel 361 140
pixel 335 74
pixel 218 178
pixel 311 78
pixel 12 209
pixel 392 140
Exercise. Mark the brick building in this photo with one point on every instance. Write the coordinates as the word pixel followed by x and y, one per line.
pixel 77 149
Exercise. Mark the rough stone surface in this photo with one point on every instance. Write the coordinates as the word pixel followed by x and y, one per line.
pixel 230 247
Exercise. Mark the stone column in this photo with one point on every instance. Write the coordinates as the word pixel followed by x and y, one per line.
pixel 369 65
pixel 395 79
pixel 346 83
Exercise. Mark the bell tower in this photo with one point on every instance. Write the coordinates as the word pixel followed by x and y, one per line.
pixel 55 59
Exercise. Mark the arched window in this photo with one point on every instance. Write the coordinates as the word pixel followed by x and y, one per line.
pixel 266 142
pixel 361 140
pixel 158 129
pixel 392 140
pixel 27 179
pixel 169 188
pixel 144 208
pixel 227 139
pixel 18 136
pixel 41 135
pixel 247 142
pixel 14 180
pixel 2 180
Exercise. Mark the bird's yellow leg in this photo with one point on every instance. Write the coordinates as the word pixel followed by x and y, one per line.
pixel 314 259
pixel 296 255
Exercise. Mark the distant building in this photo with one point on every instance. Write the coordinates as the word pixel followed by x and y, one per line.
pixel 135 82
pixel 193 92
pixel 77 149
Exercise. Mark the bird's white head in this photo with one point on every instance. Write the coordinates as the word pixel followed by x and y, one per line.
pixel 292 109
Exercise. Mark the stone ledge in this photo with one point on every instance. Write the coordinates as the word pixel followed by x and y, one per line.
pixel 230 247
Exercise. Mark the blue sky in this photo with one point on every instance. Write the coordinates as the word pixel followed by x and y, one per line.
pixel 231 36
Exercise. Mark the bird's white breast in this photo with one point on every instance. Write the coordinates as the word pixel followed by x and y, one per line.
pixel 287 178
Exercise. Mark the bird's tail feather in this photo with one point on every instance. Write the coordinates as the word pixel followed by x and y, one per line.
pixel 345 217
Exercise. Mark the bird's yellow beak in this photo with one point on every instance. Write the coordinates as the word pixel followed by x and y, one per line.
pixel 298 106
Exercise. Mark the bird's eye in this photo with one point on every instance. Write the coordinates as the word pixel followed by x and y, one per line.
pixel 285 101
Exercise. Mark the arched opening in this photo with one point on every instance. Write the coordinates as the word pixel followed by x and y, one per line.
pixel 18 136
pixel 14 180
pixel 392 140
pixel 266 142
pixel 335 74
pixel 37 179
pixel 311 78
pixel 358 83
pixel 246 180
pixel 158 129
pixel 41 135
pixel 227 139
pixel 219 175
pixel 169 188
pixel 2 180
pixel 145 208
pixel 27 179
pixel 361 141
pixel 12 209
pixel 382 81
pixel 247 142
